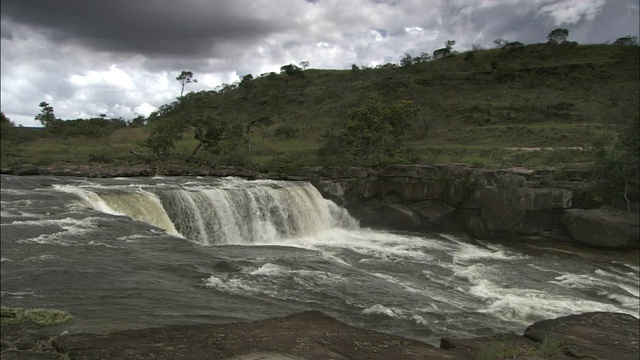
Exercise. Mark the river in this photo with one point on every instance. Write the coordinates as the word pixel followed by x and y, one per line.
pixel 137 252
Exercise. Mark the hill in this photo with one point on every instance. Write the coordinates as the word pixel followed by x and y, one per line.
pixel 473 107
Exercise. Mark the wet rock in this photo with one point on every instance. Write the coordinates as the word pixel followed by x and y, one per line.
pixel 602 227
pixel 596 335
pixel 401 216
pixel 477 229
pixel 432 211
pixel 310 335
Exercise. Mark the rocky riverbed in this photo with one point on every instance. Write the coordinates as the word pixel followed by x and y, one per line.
pixel 313 335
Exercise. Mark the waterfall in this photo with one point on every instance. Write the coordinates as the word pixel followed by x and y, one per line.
pixel 242 212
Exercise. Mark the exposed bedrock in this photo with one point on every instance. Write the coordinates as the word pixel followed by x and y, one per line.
pixel 485 203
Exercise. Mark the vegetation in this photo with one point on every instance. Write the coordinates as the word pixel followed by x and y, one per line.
pixel 42 317
pixel 480 107
pixel 548 348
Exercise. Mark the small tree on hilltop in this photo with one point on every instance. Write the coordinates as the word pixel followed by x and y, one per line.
pixel 500 43
pixel 185 77
pixel 304 64
pixel 407 60
pixel 558 36
pixel 626 41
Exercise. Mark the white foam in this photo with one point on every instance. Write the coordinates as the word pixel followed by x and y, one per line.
pixel 524 305
pixel 70 228
pixel 408 286
pixel 41 258
pixel 378 309
pixel 467 252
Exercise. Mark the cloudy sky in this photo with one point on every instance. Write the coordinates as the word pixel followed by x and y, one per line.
pixel 121 57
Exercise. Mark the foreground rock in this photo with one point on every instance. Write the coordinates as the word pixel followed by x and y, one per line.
pixel 603 227
pixel 597 335
pixel 313 335
pixel 310 335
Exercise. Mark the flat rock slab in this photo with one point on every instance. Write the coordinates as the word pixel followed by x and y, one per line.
pixel 596 335
pixel 309 335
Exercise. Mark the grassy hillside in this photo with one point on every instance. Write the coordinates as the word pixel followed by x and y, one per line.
pixel 471 110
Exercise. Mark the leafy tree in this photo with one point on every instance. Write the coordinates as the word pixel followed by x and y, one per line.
pixel 291 70
pixel 355 67
pixel 46 116
pixel 500 43
pixel 6 127
pixel 616 166
pixel 514 45
pixel 374 132
pixel 407 60
pixel 558 36
pixel 446 51
pixel 304 64
pixel 424 57
pixel 262 124
pixel 286 131
pixel 137 121
pixel 185 77
pixel 626 41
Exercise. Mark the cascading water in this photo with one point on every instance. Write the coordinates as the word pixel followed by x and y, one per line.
pixel 241 212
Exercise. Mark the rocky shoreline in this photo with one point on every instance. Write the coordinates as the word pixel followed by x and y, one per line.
pixel 313 335
pixel 485 203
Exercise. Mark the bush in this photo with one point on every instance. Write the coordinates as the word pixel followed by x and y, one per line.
pixel 286 131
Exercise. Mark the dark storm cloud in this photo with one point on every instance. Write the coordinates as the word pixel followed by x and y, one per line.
pixel 153 27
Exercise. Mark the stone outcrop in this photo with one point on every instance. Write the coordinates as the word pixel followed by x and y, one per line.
pixel 603 227
pixel 500 202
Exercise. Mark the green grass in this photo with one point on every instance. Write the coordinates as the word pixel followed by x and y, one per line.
pixel 43 317
pixel 503 351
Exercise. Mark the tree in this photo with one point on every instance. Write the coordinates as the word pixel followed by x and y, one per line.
pixel 407 60
pixel 424 57
pixel 46 116
pixel 6 127
pixel 500 43
pixel 446 51
pixel 185 77
pixel 558 36
pixel 354 67
pixel 374 132
pixel 291 70
pixel 626 41
pixel 304 64
pixel 262 124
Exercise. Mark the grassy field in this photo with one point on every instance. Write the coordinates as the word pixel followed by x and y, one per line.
pixel 471 111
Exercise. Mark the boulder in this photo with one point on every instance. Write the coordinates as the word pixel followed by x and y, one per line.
pixel 401 217
pixel 543 198
pixel 477 229
pixel 410 189
pixel 603 227
pixel 432 211
pixel 596 335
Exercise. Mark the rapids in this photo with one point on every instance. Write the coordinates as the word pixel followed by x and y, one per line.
pixel 137 252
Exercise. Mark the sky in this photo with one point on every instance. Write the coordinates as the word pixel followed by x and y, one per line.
pixel 121 57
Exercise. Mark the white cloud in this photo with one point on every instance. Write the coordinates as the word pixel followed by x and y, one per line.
pixel 569 12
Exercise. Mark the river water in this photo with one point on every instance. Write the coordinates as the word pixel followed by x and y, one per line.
pixel 137 252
